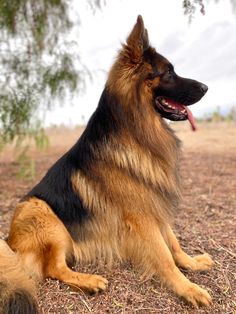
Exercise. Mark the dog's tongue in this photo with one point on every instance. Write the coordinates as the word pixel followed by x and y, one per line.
pixel 191 119
pixel 179 106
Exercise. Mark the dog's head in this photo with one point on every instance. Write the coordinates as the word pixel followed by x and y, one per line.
pixel 171 94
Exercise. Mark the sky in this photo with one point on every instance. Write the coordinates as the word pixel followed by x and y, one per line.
pixel 204 50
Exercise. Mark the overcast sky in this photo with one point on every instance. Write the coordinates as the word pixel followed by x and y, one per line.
pixel 204 50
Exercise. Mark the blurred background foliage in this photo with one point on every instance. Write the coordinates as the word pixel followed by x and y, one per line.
pixel 191 6
pixel 40 63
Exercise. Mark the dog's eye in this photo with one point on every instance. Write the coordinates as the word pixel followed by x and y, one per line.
pixel 169 74
pixel 151 76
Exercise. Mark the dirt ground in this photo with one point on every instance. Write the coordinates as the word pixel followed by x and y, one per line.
pixel 206 223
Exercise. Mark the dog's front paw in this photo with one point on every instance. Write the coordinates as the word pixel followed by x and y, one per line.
pixel 197 296
pixel 202 262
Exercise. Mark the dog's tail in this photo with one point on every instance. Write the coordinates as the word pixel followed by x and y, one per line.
pixel 17 288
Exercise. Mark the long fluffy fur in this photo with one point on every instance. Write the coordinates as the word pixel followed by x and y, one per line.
pixel 113 194
pixel 127 176
pixel 17 289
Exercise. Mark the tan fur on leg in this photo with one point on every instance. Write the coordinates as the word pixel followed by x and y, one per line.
pixel 145 237
pixel 57 269
pixel 45 244
pixel 196 263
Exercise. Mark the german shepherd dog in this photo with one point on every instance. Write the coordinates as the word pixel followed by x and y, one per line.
pixel 114 193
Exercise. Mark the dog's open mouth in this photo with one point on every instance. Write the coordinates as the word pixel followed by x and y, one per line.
pixel 174 111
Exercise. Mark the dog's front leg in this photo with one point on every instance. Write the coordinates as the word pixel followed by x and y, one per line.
pixel 196 263
pixel 145 246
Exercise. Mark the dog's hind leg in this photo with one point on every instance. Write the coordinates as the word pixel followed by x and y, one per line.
pixel 57 268
pixel 146 246
pixel 41 240
pixel 197 263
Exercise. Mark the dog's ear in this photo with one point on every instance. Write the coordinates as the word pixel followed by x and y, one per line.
pixel 138 38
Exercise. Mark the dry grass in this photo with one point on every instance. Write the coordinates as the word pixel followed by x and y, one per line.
pixel 206 223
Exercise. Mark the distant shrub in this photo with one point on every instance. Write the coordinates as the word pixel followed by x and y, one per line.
pixel 217 116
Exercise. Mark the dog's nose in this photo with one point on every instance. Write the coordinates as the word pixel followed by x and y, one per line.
pixel 204 88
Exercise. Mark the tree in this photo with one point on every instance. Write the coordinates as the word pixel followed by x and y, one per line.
pixel 38 60
pixel 190 6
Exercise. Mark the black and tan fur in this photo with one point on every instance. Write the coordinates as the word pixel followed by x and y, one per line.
pixel 113 194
